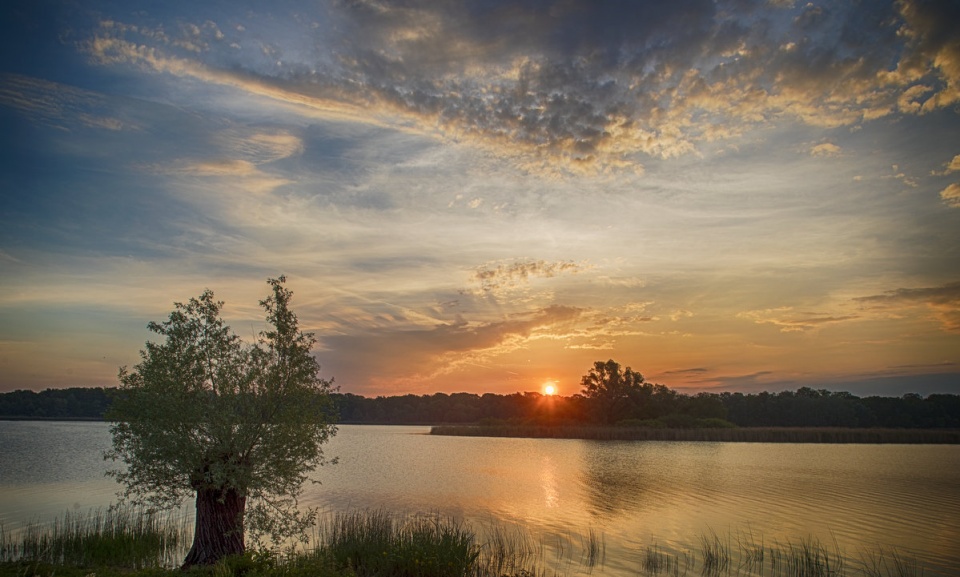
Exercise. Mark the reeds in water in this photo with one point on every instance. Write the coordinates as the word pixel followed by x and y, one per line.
pixel 121 537
pixel 382 544
pixel 807 558
pixel 656 561
pixel 378 543
pixel 715 554
pixel 890 563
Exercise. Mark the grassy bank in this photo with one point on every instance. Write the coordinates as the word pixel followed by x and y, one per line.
pixel 725 435
pixel 380 544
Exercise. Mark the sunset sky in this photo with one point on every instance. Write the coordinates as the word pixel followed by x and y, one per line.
pixel 486 196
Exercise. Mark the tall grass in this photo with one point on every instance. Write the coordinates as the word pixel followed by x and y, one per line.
pixel 379 544
pixel 382 544
pixel 655 561
pixel 123 537
pixel 715 554
pixel 594 548
pixel 510 550
pixel 807 558
pixel 889 563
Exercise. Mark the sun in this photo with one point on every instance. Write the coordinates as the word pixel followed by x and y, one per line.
pixel 550 389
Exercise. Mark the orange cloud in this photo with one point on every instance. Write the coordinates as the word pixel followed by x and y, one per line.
pixel 793 322
pixel 951 195
pixel 825 149
pixel 943 300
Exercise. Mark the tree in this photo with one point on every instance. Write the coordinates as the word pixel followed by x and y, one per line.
pixel 611 390
pixel 237 425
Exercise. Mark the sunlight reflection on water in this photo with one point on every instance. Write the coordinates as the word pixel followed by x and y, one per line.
pixel 635 494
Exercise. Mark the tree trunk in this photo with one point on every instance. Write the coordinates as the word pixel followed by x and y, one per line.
pixel 219 528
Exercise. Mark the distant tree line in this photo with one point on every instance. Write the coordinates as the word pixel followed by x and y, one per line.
pixel 637 404
pixel 666 409
pixel 72 403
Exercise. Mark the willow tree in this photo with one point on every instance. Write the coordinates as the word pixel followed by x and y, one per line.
pixel 239 426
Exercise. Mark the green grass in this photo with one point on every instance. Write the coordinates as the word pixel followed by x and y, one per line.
pixel 121 537
pixel 133 543
pixel 380 544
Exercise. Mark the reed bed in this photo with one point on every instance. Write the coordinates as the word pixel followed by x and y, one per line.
pixel 116 536
pixel 378 543
pixel 382 544
pixel 722 435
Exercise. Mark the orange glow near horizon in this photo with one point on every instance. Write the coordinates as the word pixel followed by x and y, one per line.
pixel 550 388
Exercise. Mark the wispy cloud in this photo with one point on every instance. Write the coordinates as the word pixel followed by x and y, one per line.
pixel 943 300
pixel 502 277
pixel 59 105
pixel 790 321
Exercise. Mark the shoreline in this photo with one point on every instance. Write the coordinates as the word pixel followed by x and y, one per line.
pixel 727 435
pixel 823 435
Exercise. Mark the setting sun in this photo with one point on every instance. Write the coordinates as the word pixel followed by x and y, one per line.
pixel 549 389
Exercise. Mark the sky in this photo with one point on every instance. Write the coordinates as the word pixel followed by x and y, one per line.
pixel 488 196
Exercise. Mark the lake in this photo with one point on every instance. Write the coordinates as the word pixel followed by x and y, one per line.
pixel 634 495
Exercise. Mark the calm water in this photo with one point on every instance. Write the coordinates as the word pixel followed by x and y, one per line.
pixel 636 494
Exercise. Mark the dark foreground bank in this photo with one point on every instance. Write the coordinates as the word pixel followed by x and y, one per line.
pixel 720 435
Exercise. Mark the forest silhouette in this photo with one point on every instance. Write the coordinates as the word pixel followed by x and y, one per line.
pixel 805 407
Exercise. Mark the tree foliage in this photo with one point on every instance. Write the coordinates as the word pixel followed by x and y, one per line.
pixel 612 389
pixel 240 426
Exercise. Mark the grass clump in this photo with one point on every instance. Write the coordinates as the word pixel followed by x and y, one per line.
pixel 116 537
pixel 808 558
pixel 378 544
pixel 715 554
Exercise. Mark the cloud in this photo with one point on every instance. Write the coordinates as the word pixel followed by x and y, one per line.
pixel 224 167
pixel 579 86
pixel 825 149
pixel 933 44
pixel 789 321
pixel 943 300
pixel 750 382
pixel 425 353
pixel 954 165
pixel 691 371
pixel 951 195
pixel 497 278
pixel 949 167
pixel 680 314
pixel 58 105
pixel 261 147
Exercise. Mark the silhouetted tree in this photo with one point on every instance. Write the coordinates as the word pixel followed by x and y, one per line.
pixel 612 391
